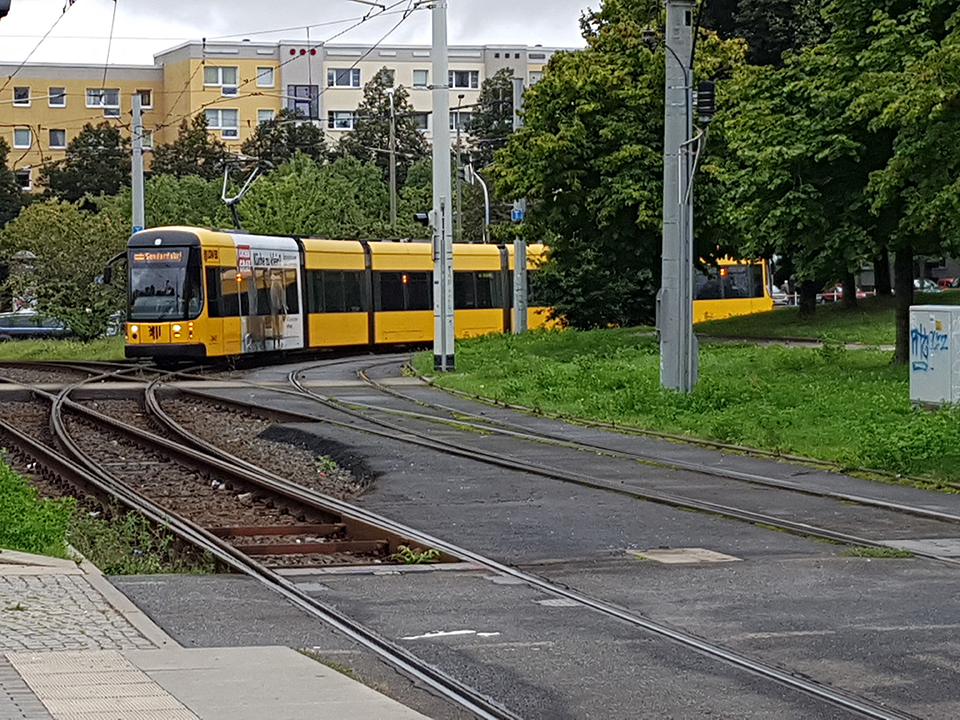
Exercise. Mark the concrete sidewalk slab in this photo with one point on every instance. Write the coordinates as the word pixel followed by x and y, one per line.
pixel 256 683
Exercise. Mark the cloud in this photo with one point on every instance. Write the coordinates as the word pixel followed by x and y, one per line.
pixel 143 29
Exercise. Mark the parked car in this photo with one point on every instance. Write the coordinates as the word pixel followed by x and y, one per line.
pixel 25 324
pixel 946 283
pixel 925 285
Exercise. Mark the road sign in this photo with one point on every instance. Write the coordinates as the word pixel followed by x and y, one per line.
pixel 137 228
pixel 519 210
pixel 517 215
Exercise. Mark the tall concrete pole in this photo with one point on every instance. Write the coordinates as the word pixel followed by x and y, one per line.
pixel 519 244
pixel 678 352
pixel 443 337
pixel 136 170
pixel 393 163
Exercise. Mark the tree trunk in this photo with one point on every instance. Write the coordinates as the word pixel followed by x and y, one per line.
pixel 881 273
pixel 903 287
pixel 808 299
pixel 849 291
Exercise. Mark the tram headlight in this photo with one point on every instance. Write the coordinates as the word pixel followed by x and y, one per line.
pixel 134 330
pixel 176 331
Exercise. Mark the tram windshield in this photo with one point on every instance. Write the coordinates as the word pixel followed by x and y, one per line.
pixel 165 284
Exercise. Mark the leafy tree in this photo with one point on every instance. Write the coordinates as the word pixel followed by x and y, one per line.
pixel 369 141
pixel 492 120
pixel 97 162
pixel 169 200
pixel 773 27
pixel 10 193
pixel 344 199
pixel 194 152
pixel 277 141
pixel 70 248
pixel 589 160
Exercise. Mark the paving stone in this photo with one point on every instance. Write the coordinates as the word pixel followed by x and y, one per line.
pixel 60 612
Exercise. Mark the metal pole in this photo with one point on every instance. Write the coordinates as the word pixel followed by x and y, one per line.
pixel 136 170
pixel 443 331
pixel 393 163
pixel 486 205
pixel 678 355
pixel 519 244
pixel 459 181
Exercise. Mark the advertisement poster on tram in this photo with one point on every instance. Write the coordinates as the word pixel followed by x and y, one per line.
pixel 269 275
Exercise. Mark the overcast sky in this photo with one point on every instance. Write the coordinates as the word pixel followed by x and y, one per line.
pixel 144 27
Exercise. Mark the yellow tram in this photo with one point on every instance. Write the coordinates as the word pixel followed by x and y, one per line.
pixel 731 287
pixel 197 293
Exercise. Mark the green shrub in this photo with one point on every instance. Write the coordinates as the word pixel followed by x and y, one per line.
pixel 29 523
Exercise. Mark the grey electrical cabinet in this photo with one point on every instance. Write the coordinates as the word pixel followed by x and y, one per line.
pixel 934 354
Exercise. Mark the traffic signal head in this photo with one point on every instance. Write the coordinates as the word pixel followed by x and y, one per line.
pixel 706 101
pixel 422 218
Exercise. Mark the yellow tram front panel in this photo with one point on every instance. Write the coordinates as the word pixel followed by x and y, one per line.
pixel 220 335
pixel 326 329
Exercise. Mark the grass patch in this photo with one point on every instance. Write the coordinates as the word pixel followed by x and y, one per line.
pixel 121 542
pixel 106 349
pixel 847 406
pixel 877 552
pixel 871 324
pixel 29 523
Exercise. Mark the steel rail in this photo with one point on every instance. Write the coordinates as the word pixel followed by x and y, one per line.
pixel 836 697
pixel 512 430
pixel 406 662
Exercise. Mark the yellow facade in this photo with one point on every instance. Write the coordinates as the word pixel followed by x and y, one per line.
pixel 237 85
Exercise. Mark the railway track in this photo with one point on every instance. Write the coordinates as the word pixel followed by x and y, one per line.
pixel 852 703
pixel 362 419
pixel 230 545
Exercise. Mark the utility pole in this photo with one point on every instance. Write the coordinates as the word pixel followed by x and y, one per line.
pixel 393 163
pixel 459 170
pixel 443 334
pixel 136 171
pixel 519 244
pixel 678 346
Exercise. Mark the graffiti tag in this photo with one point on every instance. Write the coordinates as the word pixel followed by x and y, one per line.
pixel 925 343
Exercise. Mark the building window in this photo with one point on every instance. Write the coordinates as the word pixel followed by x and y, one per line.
pixel 497 55
pixel 23 179
pixel 57 97
pixel 21 97
pixel 421 78
pixel 469 79
pixel 264 77
pixel 391 77
pixel 226 121
pixel 459 120
pixel 215 75
pixel 304 100
pixel 264 116
pixel 22 138
pixel 58 139
pixel 535 76
pixel 108 99
pixel 516 56
pixel 146 99
pixel 537 56
pixel 343 77
pixel 340 120
pixel 420 120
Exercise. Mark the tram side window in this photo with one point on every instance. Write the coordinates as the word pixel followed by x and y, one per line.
pixel 403 291
pixel 476 290
pixel 729 282
pixel 335 291
pixel 222 292
pixel 276 292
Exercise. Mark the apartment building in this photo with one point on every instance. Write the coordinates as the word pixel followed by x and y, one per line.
pixel 237 85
